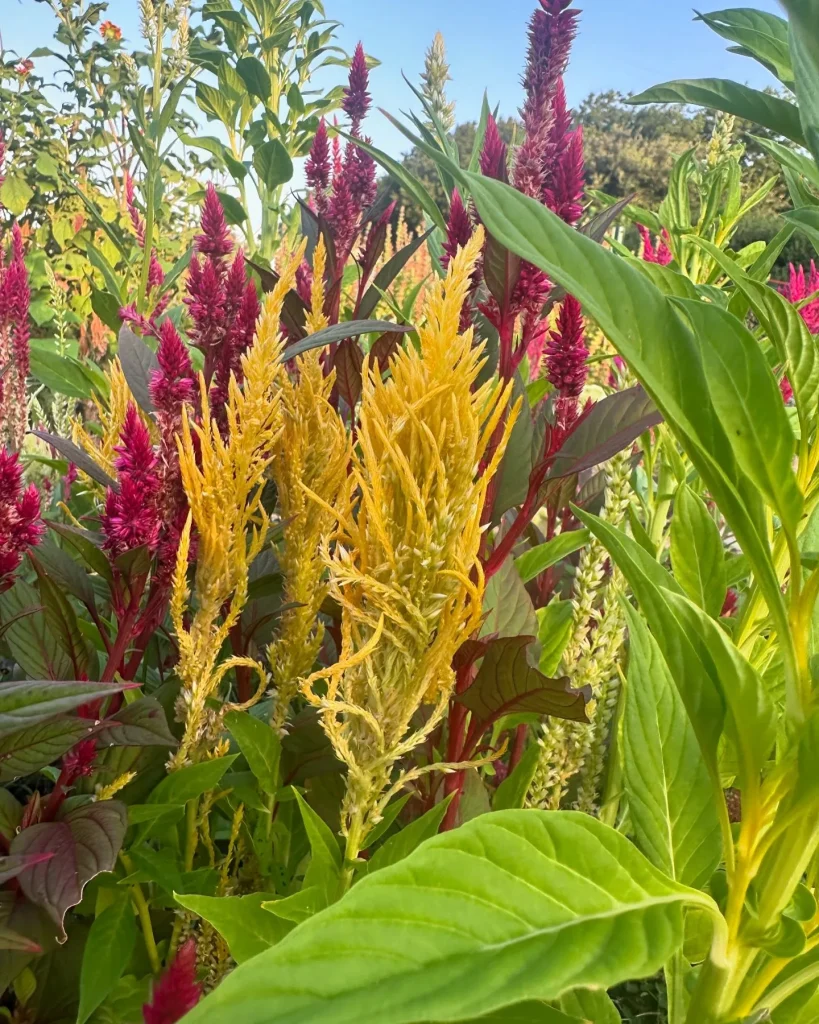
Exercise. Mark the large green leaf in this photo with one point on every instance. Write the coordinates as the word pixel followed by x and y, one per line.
pixel 26 702
pixel 273 164
pixel 591 1004
pixel 541 557
pixel 633 314
pixel 260 745
pixel 27 751
pixel 670 799
pixel 107 951
pixel 804 36
pixel 242 922
pixel 697 554
pixel 722 94
pixel 807 220
pixel 513 906
pixel 759 34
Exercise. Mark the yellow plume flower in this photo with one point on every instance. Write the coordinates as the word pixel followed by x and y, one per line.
pixel 316 320
pixel 405 567
pixel 312 456
pixel 223 480
pixel 111 416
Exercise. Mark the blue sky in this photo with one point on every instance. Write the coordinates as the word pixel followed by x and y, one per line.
pixel 623 44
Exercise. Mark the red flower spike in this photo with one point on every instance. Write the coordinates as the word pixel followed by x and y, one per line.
pixel 566 351
pixel 800 285
pixel 215 240
pixel 357 100
pixel 317 167
pixel 494 153
pixel 177 991
pixel 20 525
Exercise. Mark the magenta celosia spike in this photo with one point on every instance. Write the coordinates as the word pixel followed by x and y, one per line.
pixel 156 275
pixel 177 992
pixel 494 152
pixel 655 254
pixel 2 159
pixel 135 452
pixel 215 240
pixel 132 516
pixel 664 254
pixel 133 212
pixel 356 100
pixel 566 352
pixel 15 296
pixel 799 287
pixel 173 383
pixel 20 525
pixel 317 167
pixel 564 194
pixel 458 229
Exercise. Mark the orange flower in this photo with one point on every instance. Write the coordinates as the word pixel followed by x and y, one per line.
pixel 110 32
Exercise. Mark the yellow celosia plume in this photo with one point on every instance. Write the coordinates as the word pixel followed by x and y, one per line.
pixel 223 480
pixel 111 417
pixel 316 320
pixel 405 566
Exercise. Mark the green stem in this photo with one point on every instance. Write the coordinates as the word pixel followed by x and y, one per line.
pixel 675 986
pixel 787 988
pixel 144 915
pixel 355 837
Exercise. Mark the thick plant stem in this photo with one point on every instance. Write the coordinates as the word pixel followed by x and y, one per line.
pixel 675 986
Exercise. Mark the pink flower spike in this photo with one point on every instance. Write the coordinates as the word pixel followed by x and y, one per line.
pixel 317 167
pixel 20 525
pixel 494 153
pixel 177 991
pixel 801 285
pixel 356 100
pixel 458 229
pixel 566 351
pixel 215 240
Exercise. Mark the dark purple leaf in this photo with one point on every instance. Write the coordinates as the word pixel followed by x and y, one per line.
pixel 138 363
pixel 11 867
pixel 26 702
pixel 75 454
pixel 338 332
pixel 30 749
pixel 597 226
pixel 385 347
pixel 348 362
pixel 84 844
pixel 501 270
pixel 294 310
pixel 507 684
pixel 612 424
pixel 388 273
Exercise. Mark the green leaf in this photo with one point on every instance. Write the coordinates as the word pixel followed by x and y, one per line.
pixel 245 926
pixel 511 793
pixel 25 703
pixel 697 554
pixel 555 624
pixel 15 194
pixel 324 870
pixel 760 35
pixel 591 1004
pixel 633 314
pixel 722 94
pixel 507 606
pixel 804 37
pixel 273 164
pixel 65 572
pixel 60 374
pixel 506 684
pixel 526 1013
pixel 107 307
pixel 403 843
pixel 260 745
pixel 338 332
pixel 535 561
pixel 807 221
pixel 489 915
pixel 214 104
pixel 255 76
pixel 191 781
pixel 108 949
pixel 142 723
pixel 669 793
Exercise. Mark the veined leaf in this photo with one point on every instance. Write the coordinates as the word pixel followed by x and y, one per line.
pixel 732 98
pixel 697 554
pixel 670 799
pixel 490 915
pixel 804 37
pixel 26 702
pixel 107 952
pixel 760 35
pixel 535 561
pixel 807 220
pixel 142 723
pixel 633 314
pixel 27 751
pixel 191 781
pixel 260 745
pixel 242 922
pixel 591 1004
pixel 139 363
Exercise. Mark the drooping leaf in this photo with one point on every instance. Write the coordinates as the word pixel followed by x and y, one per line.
pixel 490 915
pixel 83 844
pixel 613 424
pixel 260 745
pixel 759 34
pixel 242 922
pixel 669 794
pixel 697 553
pixel 506 684
pixel 139 362
pixel 107 951
pixel 338 332
pixel 26 702
pixel 75 454
pixel 761 108
pixel 807 220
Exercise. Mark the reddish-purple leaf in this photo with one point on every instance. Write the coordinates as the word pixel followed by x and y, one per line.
pixel 140 724
pixel 32 748
pixel 11 867
pixel 347 363
pixel 82 845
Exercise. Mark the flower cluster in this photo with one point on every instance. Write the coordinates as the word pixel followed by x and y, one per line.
pixel 659 253
pixel 566 355
pixel 801 286
pixel 14 334
pixel 177 991
pixel 20 524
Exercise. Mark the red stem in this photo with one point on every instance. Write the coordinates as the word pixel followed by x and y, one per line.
pixel 124 633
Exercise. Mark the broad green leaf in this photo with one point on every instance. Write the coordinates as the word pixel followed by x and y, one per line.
pixel 670 800
pixel 555 624
pixel 15 194
pixel 697 554
pixel 338 332
pixel 191 782
pixel 759 34
pixel 511 793
pixel 107 951
pixel 591 1004
pixel 526 1013
pixel 214 105
pixel 507 684
pixel 633 314
pixel 405 842
pixel 60 374
pixel 30 639
pixel 273 164
pixel 804 36
pixel 142 723
pixel 255 76
pixel 722 94
pixel 513 906
pixel 245 926
pixel 535 561
pixel 260 745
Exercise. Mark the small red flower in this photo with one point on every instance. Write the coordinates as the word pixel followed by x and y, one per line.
pixel 24 68
pixel 110 32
